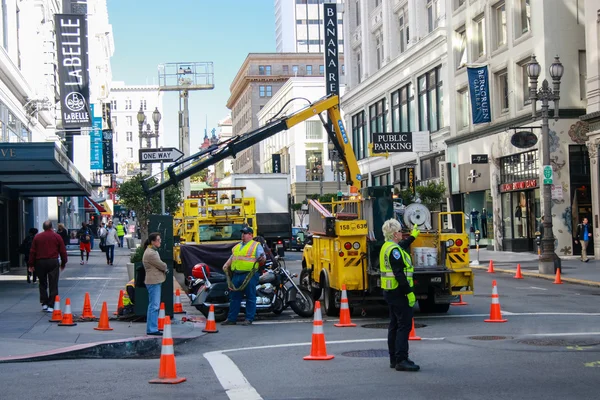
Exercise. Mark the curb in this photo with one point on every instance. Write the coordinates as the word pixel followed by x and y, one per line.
pixel 541 276
pixel 135 347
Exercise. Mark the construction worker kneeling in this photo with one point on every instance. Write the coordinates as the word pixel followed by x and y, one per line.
pixel 128 299
pixel 397 284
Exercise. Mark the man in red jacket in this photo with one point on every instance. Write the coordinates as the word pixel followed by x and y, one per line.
pixel 43 257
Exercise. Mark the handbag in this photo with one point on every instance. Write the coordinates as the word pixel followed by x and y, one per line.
pixel 102 246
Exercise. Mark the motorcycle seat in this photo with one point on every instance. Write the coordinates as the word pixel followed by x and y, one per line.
pixel 217 277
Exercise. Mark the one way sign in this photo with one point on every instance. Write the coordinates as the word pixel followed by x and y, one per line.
pixel 169 154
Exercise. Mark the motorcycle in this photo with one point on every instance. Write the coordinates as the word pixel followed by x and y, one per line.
pixel 276 290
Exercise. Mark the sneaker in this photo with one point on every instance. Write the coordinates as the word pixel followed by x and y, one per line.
pixel 157 333
pixel 49 309
pixel 228 322
pixel 406 366
pixel 246 323
pixel 44 307
pixel 81 262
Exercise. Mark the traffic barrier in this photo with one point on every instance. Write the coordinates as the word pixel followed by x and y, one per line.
pixel 495 312
pixel 67 319
pixel 557 280
pixel 167 370
pixel 161 317
pixel 56 314
pixel 103 323
pixel 460 302
pixel 120 305
pixel 491 267
pixel 211 325
pixel 177 307
pixel 87 308
pixel 518 275
pixel 413 334
pixel 318 350
pixel 345 321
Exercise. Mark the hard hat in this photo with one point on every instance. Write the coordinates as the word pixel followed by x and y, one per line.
pixel 199 269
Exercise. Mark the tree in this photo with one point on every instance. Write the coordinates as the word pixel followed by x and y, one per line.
pixel 301 209
pixel 431 195
pixel 132 196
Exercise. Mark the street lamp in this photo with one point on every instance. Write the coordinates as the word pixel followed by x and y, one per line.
pixel 548 261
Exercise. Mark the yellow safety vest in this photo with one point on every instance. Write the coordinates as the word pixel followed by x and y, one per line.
pixel 120 230
pixel 126 299
pixel 388 280
pixel 244 256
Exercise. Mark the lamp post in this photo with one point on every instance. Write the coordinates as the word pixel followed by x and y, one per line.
pixel 548 261
pixel 148 134
pixel 156 117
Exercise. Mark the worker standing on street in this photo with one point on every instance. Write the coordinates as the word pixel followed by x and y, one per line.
pixel 397 284
pixel 120 233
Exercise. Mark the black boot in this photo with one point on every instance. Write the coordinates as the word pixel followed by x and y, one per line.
pixel 404 365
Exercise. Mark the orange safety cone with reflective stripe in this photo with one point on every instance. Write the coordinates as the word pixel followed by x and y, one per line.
pixel 318 350
pixel 167 371
pixel 87 308
pixel 103 323
pixel 518 275
pixel 211 325
pixel 491 267
pixel 460 302
pixel 177 307
pixel 161 317
pixel 495 313
pixel 413 334
pixel 557 280
pixel 67 319
pixel 56 314
pixel 345 321
pixel 120 303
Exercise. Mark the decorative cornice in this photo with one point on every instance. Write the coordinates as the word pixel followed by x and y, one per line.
pixel 591 117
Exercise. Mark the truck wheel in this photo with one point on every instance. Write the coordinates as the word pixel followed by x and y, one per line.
pixel 304 279
pixel 428 306
pixel 329 302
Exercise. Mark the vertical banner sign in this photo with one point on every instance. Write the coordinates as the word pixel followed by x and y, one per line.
pixel 332 86
pixel 480 94
pixel 96 142
pixel 71 36
pixel 411 180
pixel 276 160
pixel 107 152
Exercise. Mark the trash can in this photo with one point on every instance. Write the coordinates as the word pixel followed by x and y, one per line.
pixel 141 293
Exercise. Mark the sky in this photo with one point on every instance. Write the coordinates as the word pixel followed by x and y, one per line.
pixel 152 32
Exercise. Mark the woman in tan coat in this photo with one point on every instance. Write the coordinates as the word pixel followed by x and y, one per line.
pixel 156 271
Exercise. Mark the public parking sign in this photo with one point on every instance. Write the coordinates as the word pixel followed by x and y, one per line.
pixel 149 156
pixel 547 174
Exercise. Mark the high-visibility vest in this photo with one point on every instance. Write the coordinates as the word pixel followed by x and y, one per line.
pixel 126 300
pixel 388 280
pixel 120 230
pixel 244 256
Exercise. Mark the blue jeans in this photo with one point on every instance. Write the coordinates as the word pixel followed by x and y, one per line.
pixel 235 298
pixel 121 240
pixel 153 306
pixel 110 253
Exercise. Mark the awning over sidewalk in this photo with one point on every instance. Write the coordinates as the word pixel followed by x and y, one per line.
pixel 91 205
pixel 40 170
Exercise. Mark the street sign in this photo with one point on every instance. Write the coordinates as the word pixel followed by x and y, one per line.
pixel 547 174
pixel 169 154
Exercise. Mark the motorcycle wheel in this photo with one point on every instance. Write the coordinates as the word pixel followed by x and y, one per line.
pixel 302 307
pixel 277 306
pixel 220 313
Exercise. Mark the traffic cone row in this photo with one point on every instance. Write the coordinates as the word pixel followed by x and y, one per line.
pixel 344 311
pixel 495 312
pixel 318 350
pixel 161 317
pixel 56 314
pixel 167 370
pixel 177 307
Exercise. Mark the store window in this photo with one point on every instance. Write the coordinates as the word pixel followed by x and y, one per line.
pixel 521 215
pixel 377 117
pixel 314 164
pixel 519 167
pixel 403 109
pixel 359 135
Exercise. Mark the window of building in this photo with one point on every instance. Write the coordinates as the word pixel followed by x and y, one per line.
pixel 130 152
pixel 582 75
pixel 129 136
pixel 377 3
pixel 359 66
pixel 381 179
pixel 314 163
pixel 128 104
pixel 142 105
pixel 500 21
pixel 522 68
pixel 379 48
pixel 519 167
pixel 430 167
pixel 359 136
pixel 286 69
pixel 321 70
pixel 295 70
pixel 524 19
pixel 264 70
pixel 357 10
pixel 458 4
pixel 314 130
pixel 343 69
pixel 309 70
pixel 269 91
pixel 430 100
pixel 479 41
pixel 129 120
pixel 261 91
pixel 114 121
pixel 403 28
pixel 463 109
pixel 403 109
pixel 113 105
pixel 116 136
pixel 432 14
pixel 461 47
pixel 4 25
pixel 502 90
pixel 377 117
pixel 265 91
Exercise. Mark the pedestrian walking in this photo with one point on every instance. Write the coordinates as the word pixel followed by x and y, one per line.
pixel 46 249
pixel 110 240
pixel 582 236
pixel 64 233
pixel 397 284
pixel 244 260
pixel 156 273
pixel 25 249
pixel 121 233
pixel 85 238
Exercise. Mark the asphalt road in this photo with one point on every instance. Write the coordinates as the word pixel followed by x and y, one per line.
pixel 548 349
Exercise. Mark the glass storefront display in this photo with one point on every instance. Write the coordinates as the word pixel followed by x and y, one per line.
pixel 479 216
pixel 521 218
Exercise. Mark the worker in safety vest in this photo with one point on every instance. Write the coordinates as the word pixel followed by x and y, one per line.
pixel 129 294
pixel 120 233
pixel 397 284
pixel 244 256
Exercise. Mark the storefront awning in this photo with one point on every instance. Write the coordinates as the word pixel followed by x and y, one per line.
pixel 39 170
pixel 108 207
pixel 91 205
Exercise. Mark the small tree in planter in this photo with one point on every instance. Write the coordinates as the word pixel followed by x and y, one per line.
pixel 431 195
pixel 132 196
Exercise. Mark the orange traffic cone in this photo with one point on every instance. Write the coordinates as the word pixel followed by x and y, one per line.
pixel 211 325
pixel 344 311
pixel 413 334
pixel 161 317
pixel 167 371
pixel 495 313
pixel 557 280
pixel 460 302
pixel 67 319
pixel 56 314
pixel 103 323
pixel 177 307
pixel 518 275
pixel 318 350
pixel 120 303
pixel 491 267
pixel 87 308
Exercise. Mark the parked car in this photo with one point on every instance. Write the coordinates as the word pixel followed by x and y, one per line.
pixel 297 241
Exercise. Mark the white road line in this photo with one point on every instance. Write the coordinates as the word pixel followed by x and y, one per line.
pixel 558 314
pixel 231 378
pixel 529 287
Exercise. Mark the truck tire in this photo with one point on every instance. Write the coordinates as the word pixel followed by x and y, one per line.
pixel 305 283
pixel 428 306
pixel 329 306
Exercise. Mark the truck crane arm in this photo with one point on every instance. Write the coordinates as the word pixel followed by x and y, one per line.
pixel 213 154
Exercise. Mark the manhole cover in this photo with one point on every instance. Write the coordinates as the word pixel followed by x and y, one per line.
pixel 489 337
pixel 367 353
pixel 560 342
pixel 386 324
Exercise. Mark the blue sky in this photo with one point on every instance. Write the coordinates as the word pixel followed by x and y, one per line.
pixel 152 32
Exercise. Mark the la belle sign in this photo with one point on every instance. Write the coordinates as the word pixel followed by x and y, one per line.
pixel 528 184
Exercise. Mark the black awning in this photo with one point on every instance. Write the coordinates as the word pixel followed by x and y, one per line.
pixel 40 170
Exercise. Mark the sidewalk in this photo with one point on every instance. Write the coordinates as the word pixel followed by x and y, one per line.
pixel 572 269
pixel 25 328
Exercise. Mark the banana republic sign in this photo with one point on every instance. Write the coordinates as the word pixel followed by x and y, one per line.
pixel 71 36
pixel 330 21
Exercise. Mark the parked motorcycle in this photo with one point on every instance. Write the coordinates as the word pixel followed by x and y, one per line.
pixel 276 290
